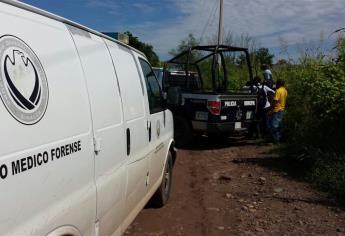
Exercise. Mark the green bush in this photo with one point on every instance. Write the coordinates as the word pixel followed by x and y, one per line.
pixel 328 174
pixel 315 119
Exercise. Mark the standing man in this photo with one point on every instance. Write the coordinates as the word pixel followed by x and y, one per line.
pixel 279 103
pixel 263 103
pixel 268 78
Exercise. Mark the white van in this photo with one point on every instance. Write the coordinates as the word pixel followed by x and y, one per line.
pixel 85 140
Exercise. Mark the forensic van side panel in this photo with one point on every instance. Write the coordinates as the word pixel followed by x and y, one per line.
pixel 46 128
pixel 82 147
pixel 160 121
pixel 133 98
pixel 108 126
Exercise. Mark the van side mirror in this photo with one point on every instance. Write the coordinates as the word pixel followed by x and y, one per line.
pixel 174 96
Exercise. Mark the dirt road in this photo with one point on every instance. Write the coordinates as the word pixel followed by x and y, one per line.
pixel 235 188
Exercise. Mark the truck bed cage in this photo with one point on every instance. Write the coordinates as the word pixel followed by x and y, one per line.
pixel 185 59
pixel 210 48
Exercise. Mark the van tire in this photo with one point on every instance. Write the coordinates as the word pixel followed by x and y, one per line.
pixel 161 197
pixel 183 133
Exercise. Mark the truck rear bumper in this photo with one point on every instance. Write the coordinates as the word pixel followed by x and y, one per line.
pixel 220 127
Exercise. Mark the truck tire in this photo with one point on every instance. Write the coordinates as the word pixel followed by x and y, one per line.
pixel 161 197
pixel 183 133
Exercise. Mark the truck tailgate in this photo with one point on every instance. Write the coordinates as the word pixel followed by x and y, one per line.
pixel 237 107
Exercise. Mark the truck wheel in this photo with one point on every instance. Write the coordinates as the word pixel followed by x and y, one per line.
pixel 182 132
pixel 162 194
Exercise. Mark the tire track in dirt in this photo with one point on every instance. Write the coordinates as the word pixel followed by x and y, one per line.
pixel 197 172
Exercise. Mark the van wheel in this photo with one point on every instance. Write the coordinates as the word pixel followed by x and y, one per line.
pixel 182 132
pixel 161 197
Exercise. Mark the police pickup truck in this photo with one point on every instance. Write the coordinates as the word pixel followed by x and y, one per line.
pixel 206 92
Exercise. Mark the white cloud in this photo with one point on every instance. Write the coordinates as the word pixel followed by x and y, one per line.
pixel 268 20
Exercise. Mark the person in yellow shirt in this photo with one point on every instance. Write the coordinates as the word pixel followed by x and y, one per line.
pixel 279 103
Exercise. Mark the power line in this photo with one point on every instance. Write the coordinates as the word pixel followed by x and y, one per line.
pixel 214 18
pixel 211 19
pixel 208 22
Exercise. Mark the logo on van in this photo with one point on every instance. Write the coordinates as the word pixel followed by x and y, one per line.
pixel 23 83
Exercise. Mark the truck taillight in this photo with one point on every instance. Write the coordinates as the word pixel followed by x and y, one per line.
pixel 214 107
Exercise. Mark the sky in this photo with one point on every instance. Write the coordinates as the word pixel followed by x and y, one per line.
pixel 280 25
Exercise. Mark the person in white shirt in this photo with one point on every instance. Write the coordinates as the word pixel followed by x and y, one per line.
pixel 268 77
pixel 263 103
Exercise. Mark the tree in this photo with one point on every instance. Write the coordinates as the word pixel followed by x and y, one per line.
pixel 340 46
pixel 282 62
pixel 263 56
pixel 243 40
pixel 147 49
pixel 185 44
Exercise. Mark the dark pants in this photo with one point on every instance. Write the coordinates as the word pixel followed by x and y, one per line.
pixel 264 122
pixel 276 125
pixel 258 128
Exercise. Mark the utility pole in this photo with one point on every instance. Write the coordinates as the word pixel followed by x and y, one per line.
pixel 220 33
pixel 220 28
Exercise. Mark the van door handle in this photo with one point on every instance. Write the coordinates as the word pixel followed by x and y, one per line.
pixel 150 132
pixel 128 135
pixel 97 145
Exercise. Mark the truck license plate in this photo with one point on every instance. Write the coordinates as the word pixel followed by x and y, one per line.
pixel 199 115
pixel 238 125
pixel 249 103
pixel 249 115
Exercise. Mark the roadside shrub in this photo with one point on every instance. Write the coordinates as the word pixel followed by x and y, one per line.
pixel 315 119
pixel 328 174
